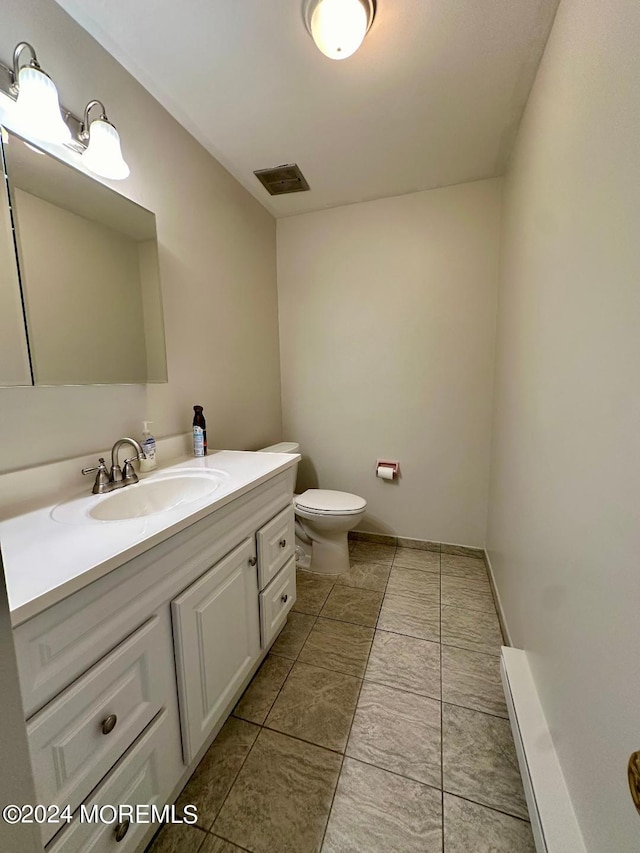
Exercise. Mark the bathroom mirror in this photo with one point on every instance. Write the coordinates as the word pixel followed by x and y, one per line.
pixel 80 277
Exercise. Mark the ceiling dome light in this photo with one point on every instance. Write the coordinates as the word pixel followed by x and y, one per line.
pixel 37 107
pixel 103 155
pixel 338 27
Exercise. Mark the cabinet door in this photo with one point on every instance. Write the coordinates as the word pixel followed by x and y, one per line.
pixel 217 641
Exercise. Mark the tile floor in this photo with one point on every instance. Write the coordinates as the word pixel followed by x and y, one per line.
pixel 377 723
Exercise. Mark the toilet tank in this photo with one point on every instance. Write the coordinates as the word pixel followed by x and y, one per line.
pixel 282 447
pixel 285 447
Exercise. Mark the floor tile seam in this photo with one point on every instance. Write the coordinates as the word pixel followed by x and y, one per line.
pixel 202 842
pixel 402 689
pixel 371 562
pixel 328 668
pixel 389 631
pixel 393 772
pixel 305 613
pixel 377 562
pixel 324 834
pixel 423 569
pixel 228 840
pixel 465 587
pixel 468 575
pixel 471 651
pixel 342 622
pixel 231 786
pixel 354 586
pixel 469 609
pixel 331 749
pixel 467 708
pixel 346 621
pixel 210 831
pixel 470 708
pixel 467 649
pixel 317 666
pixel 295 661
pixel 260 726
pixel 414 595
pixel 485 806
pixel 411 636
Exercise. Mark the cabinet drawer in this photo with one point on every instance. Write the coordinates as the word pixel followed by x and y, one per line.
pixel 276 601
pixel 71 743
pixel 144 777
pixel 276 544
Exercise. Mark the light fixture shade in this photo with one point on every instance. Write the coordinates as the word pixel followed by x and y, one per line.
pixel 104 155
pixel 38 108
pixel 338 27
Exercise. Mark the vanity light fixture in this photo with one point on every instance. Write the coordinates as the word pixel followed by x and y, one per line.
pixel 37 106
pixel 338 27
pixel 29 105
pixel 103 155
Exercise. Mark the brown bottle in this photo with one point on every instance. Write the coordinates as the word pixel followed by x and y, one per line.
pixel 199 432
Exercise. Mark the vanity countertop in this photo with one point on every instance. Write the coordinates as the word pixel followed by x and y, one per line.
pixel 46 560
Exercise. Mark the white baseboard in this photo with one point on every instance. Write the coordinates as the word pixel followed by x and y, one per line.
pixel 498 601
pixel 553 821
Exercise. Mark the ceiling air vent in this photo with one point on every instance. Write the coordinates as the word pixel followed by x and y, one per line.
pixel 282 179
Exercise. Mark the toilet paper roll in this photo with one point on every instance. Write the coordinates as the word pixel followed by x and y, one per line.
pixel 385 472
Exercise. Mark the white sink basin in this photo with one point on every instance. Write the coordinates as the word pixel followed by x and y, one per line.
pixel 155 495
pixel 159 493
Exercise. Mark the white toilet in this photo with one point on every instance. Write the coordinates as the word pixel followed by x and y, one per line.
pixel 324 518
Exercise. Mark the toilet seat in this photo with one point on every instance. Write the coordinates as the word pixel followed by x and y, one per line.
pixel 330 502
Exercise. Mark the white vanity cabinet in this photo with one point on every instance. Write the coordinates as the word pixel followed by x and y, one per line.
pixel 223 621
pixel 126 681
pixel 217 641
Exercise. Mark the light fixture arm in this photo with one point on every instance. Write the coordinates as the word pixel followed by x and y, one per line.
pixel 33 62
pixel 84 130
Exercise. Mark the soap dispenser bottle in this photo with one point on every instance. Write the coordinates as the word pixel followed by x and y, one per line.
pixel 199 432
pixel 148 462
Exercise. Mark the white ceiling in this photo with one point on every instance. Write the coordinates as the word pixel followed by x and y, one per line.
pixel 433 97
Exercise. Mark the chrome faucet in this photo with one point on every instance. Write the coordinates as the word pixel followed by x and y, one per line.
pixel 127 475
pixel 117 478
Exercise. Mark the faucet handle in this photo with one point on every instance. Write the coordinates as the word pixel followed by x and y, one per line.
pixel 102 477
pixel 129 472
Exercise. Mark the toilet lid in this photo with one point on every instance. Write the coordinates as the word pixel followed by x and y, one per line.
pixel 326 501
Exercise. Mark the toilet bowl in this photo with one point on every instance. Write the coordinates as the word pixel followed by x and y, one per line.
pixel 326 517
pixel 323 519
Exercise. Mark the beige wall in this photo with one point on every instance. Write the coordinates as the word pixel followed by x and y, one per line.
pixel 564 531
pixel 387 316
pixel 217 265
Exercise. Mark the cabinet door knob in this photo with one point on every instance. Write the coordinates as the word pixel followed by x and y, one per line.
pixel 284 599
pixel 283 543
pixel 109 724
pixel 121 830
pixel 253 561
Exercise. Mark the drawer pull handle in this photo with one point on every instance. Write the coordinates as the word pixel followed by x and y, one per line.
pixel 108 725
pixel 284 599
pixel 121 830
pixel 253 561
pixel 283 543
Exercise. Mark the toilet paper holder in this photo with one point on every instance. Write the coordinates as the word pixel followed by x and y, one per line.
pixel 387 469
